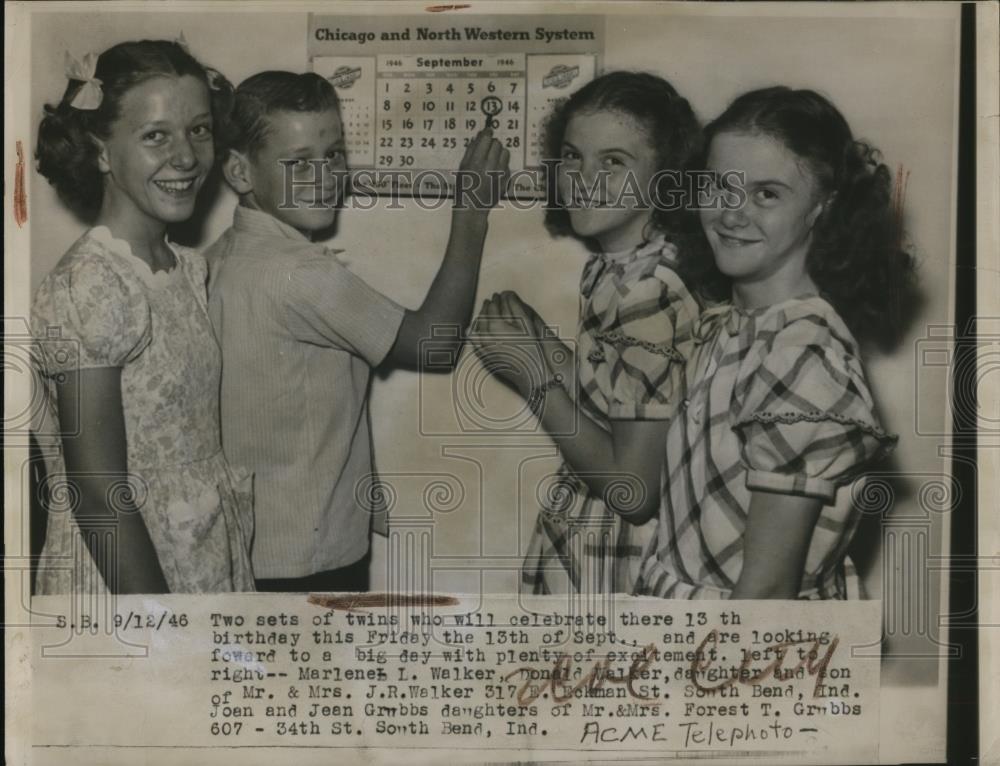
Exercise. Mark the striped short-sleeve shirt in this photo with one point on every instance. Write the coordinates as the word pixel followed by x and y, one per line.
pixel 300 334
pixel 778 402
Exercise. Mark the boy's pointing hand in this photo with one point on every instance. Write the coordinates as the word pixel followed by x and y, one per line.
pixel 482 176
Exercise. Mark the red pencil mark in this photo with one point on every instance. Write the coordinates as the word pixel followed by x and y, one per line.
pixel 443 8
pixel 350 602
pixel 599 674
pixel 810 660
pixel 20 195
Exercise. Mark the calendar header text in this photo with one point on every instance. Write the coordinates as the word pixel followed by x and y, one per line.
pixel 542 34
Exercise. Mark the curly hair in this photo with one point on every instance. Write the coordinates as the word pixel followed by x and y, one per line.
pixel 274 91
pixel 856 257
pixel 66 153
pixel 670 123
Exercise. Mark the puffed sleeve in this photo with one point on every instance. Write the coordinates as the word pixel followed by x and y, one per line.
pixel 327 304
pixel 640 349
pixel 87 314
pixel 806 423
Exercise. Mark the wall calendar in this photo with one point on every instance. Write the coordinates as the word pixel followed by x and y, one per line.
pixel 415 90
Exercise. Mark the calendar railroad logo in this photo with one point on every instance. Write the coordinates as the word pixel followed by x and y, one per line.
pixel 560 76
pixel 345 76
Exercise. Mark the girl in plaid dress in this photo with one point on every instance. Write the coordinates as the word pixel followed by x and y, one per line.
pixel 608 404
pixel 779 416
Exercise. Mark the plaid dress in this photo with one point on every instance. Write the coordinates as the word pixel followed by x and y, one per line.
pixel 634 336
pixel 778 402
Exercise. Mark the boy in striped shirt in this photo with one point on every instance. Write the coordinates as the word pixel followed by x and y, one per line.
pixel 300 333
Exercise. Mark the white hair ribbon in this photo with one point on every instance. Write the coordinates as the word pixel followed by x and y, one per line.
pixel 90 95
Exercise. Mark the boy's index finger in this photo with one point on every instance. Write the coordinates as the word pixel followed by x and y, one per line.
pixel 480 135
pixel 481 147
pixel 474 143
pixel 494 153
pixel 469 149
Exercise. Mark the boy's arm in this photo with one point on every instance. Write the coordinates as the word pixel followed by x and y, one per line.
pixel 452 293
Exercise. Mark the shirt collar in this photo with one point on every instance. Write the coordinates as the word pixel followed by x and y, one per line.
pixel 247 220
pixel 654 245
pixel 600 262
pixel 256 222
pixel 734 317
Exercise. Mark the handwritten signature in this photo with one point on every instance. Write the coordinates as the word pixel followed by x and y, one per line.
pixel 598 675
pixel 813 660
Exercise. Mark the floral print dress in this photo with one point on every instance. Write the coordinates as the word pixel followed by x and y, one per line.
pixel 103 307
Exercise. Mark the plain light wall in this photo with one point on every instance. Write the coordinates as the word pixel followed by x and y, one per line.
pixel 893 77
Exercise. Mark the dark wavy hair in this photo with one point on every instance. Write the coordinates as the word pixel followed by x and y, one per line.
pixel 671 125
pixel 66 153
pixel 274 91
pixel 857 258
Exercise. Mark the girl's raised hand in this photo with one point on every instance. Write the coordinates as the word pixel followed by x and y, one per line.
pixel 504 341
pixel 496 323
pixel 558 356
pixel 524 315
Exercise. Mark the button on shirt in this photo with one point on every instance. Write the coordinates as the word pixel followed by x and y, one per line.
pixel 300 334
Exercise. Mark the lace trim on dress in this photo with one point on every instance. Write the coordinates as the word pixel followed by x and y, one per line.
pixel 618 339
pixel 818 417
pixel 120 246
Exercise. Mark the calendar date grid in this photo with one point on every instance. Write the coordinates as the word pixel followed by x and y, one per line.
pixel 426 120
